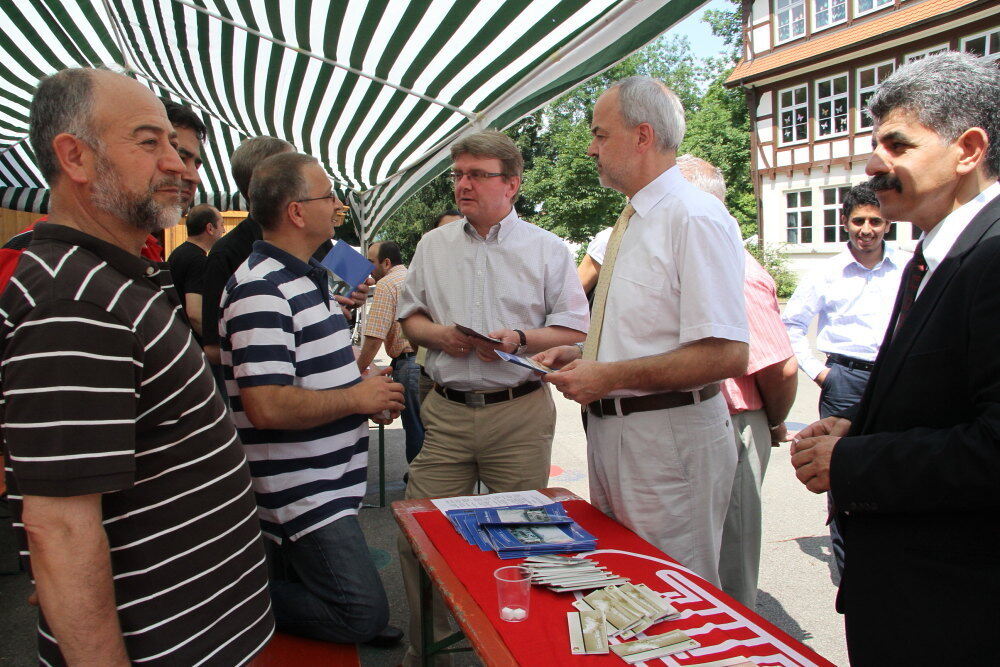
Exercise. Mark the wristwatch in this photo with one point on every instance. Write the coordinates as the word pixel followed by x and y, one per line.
pixel 524 341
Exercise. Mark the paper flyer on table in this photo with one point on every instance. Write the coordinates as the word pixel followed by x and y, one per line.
pixel 492 500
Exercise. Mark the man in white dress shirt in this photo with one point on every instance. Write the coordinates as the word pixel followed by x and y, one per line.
pixel 852 294
pixel 486 419
pixel 669 324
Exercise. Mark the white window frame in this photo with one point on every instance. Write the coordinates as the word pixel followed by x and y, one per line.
pixel 846 95
pixel 791 33
pixel 836 207
pixel 876 5
pixel 859 116
pixel 799 210
pixel 803 105
pixel 923 53
pixel 986 34
pixel 829 10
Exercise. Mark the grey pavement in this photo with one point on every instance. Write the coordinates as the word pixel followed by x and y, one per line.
pixel 796 585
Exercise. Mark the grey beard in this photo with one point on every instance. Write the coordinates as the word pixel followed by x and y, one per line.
pixel 140 211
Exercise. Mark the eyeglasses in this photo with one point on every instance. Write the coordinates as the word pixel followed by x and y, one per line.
pixel 332 195
pixel 476 175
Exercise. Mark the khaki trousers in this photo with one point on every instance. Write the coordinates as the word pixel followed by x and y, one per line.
pixel 739 560
pixel 506 445
pixel 667 475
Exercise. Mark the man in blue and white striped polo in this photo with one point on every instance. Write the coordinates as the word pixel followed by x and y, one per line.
pixel 302 410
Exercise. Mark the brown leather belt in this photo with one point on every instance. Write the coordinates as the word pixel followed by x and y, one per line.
pixel 619 407
pixel 477 399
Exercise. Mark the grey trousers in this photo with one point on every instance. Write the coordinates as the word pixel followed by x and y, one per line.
pixel 739 559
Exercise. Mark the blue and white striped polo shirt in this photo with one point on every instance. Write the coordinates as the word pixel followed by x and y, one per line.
pixel 280 327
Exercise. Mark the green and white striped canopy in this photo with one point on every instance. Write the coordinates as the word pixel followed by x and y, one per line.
pixel 375 89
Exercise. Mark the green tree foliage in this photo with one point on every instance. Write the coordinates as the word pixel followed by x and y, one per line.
pixel 775 263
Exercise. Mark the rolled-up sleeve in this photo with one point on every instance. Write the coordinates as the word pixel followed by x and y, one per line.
pixel 565 300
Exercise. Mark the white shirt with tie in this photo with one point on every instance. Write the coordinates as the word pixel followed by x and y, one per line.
pixel 678 278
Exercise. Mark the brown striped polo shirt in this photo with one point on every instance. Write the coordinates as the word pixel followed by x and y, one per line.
pixel 105 391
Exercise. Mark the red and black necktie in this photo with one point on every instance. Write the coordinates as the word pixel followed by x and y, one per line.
pixel 914 274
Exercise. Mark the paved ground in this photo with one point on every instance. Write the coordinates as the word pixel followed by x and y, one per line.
pixel 796 583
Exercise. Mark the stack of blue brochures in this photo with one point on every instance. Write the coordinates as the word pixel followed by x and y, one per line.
pixel 519 531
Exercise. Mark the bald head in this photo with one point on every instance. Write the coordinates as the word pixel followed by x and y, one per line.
pixel 703 175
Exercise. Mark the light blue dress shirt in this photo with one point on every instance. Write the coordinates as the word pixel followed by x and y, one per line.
pixel 853 304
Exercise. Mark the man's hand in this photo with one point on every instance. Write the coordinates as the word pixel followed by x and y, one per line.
pixel 811 459
pixel 485 349
pixel 358 296
pixel 376 393
pixel 836 426
pixel 557 357
pixel 779 434
pixel 454 343
pixel 583 381
pixel 821 378
pixel 385 421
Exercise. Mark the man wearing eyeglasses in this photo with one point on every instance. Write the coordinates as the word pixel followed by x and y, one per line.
pixel 486 419
pixel 302 409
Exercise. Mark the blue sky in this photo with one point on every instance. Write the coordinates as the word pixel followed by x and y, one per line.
pixel 703 42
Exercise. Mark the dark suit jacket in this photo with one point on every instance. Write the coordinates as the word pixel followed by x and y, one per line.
pixel 917 480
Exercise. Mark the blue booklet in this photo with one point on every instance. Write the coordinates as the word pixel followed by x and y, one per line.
pixel 349 268
pixel 504 516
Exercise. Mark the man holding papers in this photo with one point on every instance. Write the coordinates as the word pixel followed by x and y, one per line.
pixel 503 277
pixel 669 323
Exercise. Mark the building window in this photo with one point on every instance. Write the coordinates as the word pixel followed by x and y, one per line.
pixel 793 113
pixel 934 50
pixel 869 79
pixel 865 6
pixel 791 15
pixel 799 216
pixel 985 44
pixel 833 199
pixel 831 106
pixel 828 12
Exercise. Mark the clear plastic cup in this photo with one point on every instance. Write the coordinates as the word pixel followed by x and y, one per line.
pixel 513 592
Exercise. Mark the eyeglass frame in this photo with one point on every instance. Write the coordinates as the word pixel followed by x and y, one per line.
pixel 479 177
pixel 332 195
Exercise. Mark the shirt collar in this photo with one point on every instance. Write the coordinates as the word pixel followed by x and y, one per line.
pixel 289 261
pixel 396 269
pixel 129 265
pixel 938 242
pixel 499 231
pixel 889 254
pixel 645 199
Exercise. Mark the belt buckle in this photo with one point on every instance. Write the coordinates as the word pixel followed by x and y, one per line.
pixel 474 400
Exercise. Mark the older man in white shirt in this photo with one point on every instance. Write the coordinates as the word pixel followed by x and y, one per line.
pixel 669 323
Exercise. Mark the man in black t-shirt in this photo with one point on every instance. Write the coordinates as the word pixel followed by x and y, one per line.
pixel 187 261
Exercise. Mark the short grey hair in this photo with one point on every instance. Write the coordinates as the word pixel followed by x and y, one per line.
pixel 643 99
pixel 63 104
pixel 277 182
pixel 703 175
pixel 252 152
pixel 949 92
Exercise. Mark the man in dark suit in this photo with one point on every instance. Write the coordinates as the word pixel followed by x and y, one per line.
pixel 914 468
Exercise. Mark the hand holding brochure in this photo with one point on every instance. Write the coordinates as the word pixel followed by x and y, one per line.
pixel 349 268
pixel 475 334
pixel 530 364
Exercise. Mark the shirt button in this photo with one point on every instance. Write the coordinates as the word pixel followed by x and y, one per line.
pixel 150 270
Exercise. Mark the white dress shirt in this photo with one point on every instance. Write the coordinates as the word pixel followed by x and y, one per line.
pixel 854 304
pixel 519 277
pixel 678 276
pixel 599 245
pixel 938 242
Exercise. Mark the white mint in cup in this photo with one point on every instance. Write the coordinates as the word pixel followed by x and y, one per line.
pixel 513 592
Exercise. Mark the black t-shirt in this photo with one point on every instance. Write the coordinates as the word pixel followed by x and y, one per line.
pixel 187 266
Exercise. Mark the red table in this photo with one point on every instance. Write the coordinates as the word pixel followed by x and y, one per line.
pixel 463 575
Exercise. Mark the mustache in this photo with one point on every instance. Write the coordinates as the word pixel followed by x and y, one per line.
pixel 885 182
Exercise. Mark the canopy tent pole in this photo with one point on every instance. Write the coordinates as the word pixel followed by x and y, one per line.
pixel 119 37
